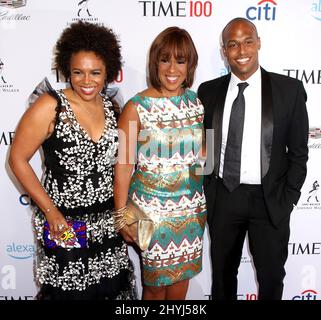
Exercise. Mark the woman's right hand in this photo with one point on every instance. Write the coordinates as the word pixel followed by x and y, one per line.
pixel 56 220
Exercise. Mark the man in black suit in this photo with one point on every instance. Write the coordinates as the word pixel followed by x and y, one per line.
pixel 258 171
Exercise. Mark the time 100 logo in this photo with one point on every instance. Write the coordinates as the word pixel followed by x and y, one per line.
pixel 199 8
pixel 176 8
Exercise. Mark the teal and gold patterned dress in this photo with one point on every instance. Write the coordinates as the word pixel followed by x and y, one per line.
pixel 167 184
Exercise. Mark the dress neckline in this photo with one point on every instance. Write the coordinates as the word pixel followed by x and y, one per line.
pixel 166 97
pixel 72 117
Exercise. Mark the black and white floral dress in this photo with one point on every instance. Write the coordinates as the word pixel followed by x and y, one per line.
pixel 78 178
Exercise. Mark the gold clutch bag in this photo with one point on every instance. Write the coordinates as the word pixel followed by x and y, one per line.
pixel 140 225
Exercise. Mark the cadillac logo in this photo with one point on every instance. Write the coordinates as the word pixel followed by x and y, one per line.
pixel 315 133
pixel 13 3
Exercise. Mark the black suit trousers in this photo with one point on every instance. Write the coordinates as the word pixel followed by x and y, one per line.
pixel 237 214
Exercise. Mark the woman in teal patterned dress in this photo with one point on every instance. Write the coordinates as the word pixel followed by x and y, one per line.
pixel 161 131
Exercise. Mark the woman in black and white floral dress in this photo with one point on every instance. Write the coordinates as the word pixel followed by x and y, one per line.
pixel 76 128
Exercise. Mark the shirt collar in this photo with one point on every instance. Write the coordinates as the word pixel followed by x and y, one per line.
pixel 254 80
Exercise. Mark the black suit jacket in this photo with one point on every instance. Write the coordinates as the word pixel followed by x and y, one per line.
pixel 284 139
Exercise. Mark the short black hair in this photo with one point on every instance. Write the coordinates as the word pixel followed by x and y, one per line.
pixel 238 19
pixel 86 36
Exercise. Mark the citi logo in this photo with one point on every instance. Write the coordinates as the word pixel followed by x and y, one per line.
pixel 13 3
pixel 316 9
pixel 265 10
pixel 306 295
pixel 20 251
pixel 25 200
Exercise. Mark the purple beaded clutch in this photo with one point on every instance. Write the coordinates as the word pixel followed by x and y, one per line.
pixel 72 237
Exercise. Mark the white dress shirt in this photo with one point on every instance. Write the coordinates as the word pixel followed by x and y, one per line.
pixel 251 144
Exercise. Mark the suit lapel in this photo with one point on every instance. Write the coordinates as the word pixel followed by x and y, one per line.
pixel 266 123
pixel 217 121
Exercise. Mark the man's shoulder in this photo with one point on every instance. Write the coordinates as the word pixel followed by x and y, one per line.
pixel 213 82
pixel 281 78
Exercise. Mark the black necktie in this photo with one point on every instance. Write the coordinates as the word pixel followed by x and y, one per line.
pixel 232 158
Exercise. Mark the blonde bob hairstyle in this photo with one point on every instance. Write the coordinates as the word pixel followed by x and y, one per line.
pixel 172 41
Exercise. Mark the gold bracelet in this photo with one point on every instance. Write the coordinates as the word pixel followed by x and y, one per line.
pixel 119 218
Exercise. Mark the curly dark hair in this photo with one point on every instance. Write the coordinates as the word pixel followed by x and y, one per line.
pixel 85 36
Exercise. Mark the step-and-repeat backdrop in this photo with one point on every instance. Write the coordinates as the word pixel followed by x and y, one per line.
pixel 290 36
